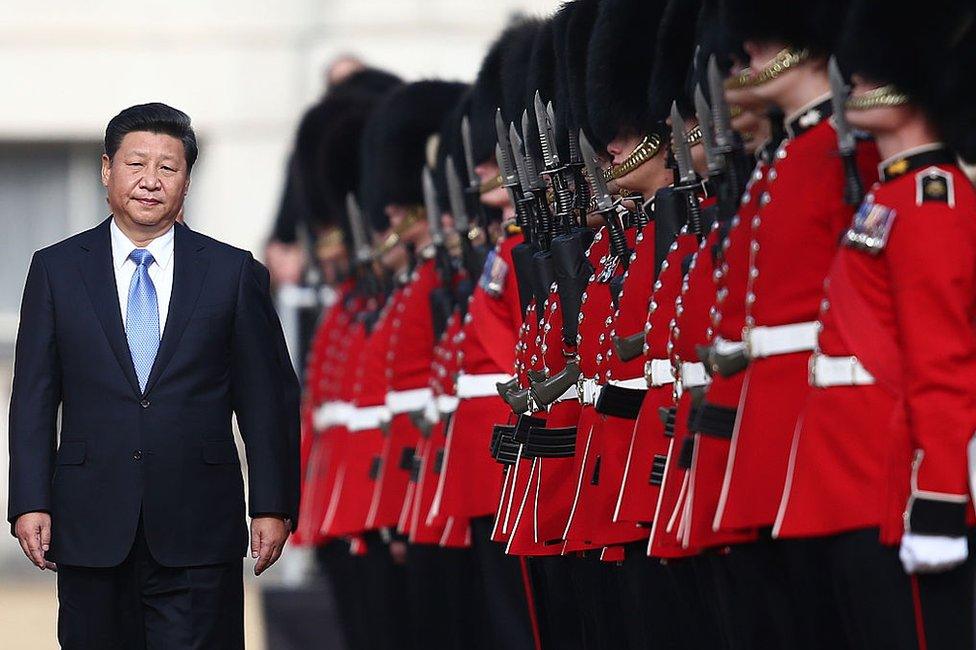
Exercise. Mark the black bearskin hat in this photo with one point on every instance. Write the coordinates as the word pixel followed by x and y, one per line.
pixel 676 46
pixel 487 96
pixel 575 44
pixel 394 144
pixel 928 54
pixel 810 25
pixel 515 55
pixel 619 63
pixel 541 76
pixel 326 152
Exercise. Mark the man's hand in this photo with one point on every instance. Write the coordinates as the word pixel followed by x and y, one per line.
pixel 33 531
pixel 268 535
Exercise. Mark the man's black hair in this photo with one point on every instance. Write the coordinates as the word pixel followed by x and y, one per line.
pixel 154 118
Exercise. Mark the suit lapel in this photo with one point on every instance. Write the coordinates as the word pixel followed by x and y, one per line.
pixel 189 270
pixel 99 279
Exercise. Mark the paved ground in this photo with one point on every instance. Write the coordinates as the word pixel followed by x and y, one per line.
pixel 28 611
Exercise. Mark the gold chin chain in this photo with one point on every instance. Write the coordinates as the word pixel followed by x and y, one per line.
pixel 414 214
pixel 646 149
pixel 786 58
pixel 493 184
pixel 877 98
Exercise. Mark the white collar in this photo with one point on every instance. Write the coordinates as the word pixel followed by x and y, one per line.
pixel 161 247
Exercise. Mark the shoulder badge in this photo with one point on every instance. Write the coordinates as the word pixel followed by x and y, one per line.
pixel 870 228
pixel 934 185
pixel 493 276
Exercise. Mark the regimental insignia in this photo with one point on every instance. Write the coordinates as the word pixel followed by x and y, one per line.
pixel 896 168
pixel 870 228
pixel 810 118
pixel 493 277
pixel 934 185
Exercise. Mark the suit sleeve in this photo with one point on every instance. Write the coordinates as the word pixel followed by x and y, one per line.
pixel 931 261
pixel 260 389
pixel 35 399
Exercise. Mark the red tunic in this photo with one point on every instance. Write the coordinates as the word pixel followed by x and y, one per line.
pixel 793 237
pixel 352 491
pixel 408 368
pixel 321 358
pixel 907 313
pixel 470 482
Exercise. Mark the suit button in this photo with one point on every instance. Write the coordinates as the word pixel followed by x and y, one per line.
pixel 137 455
pixel 144 403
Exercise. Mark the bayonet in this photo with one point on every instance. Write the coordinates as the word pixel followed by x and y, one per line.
pixel 455 196
pixel 360 236
pixel 504 152
pixel 704 113
pixel 598 186
pixel 679 143
pixel 720 108
pixel 432 208
pixel 473 180
pixel 687 179
pixel 518 154
pixel 846 143
pixel 549 152
pixel 531 165
pixel 839 93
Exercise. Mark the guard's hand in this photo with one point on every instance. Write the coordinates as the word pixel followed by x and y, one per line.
pixel 268 536
pixel 932 553
pixel 33 531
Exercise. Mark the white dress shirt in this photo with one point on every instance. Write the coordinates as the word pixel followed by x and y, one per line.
pixel 160 271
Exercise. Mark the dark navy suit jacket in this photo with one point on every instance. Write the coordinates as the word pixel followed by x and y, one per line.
pixel 166 453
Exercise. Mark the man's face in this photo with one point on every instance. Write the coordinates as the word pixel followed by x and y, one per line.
pixel 416 233
pixel 647 178
pixel 880 120
pixel 498 197
pixel 147 180
pixel 760 55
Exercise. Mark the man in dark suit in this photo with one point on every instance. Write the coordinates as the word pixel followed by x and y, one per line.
pixel 148 336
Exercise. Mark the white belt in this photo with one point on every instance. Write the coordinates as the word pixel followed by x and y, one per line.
pixel 368 417
pixel 590 391
pixel 726 347
pixel 693 375
pixel 330 414
pixel 634 384
pixel 781 339
pixel 838 371
pixel 480 385
pixel 406 401
pixel 448 403
pixel 658 372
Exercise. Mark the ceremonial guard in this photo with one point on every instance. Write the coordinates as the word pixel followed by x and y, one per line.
pixel 879 474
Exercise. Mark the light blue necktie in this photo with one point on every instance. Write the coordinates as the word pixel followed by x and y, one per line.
pixel 142 317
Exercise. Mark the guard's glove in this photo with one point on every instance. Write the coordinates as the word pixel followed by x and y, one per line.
pixel 932 553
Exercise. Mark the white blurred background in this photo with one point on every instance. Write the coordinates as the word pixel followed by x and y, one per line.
pixel 244 70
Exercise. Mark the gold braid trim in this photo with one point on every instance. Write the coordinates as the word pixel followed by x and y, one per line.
pixel 876 98
pixel 493 184
pixel 646 149
pixel 786 59
pixel 415 214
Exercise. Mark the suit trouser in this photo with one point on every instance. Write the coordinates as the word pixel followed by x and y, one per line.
pixel 143 604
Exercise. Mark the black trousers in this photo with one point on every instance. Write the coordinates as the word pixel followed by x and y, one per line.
pixel 141 604
pixel 882 607
pixel 509 610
